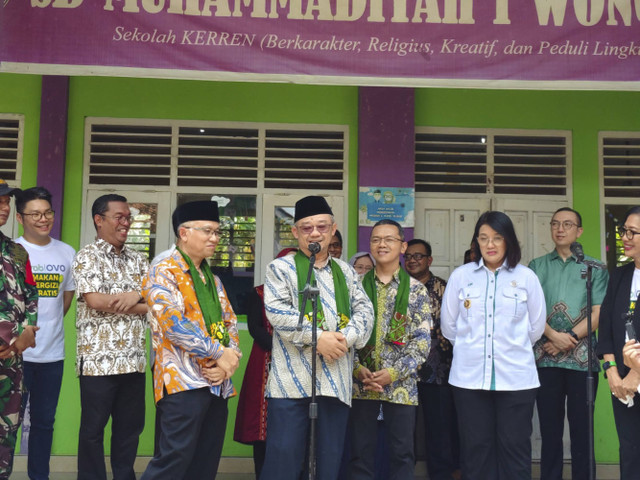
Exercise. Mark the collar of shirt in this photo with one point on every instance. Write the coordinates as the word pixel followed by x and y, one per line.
pixel 107 248
pixel 482 265
pixel 556 256
pixel 395 276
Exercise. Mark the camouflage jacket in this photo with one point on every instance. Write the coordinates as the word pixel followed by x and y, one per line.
pixel 18 291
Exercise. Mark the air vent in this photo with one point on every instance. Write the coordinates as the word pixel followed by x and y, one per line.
pixel 9 149
pixel 530 165
pixel 621 166
pixel 297 159
pixel 451 163
pixel 224 157
pixel 130 155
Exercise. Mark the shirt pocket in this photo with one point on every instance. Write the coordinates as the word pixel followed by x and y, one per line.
pixel 515 301
pixel 469 301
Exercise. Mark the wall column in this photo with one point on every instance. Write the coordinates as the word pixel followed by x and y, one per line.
pixel 52 150
pixel 386 143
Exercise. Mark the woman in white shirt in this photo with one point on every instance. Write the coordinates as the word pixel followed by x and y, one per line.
pixel 493 311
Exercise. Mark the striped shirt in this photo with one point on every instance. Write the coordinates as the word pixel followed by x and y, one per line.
pixel 290 375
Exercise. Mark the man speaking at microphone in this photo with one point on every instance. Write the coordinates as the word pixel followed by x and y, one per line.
pixel 562 352
pixel 345 321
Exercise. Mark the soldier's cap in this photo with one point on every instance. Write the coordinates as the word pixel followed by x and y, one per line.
pixel 5 189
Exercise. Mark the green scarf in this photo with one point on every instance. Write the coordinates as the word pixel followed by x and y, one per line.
pixel 341 291
pixel 398 323
pixel 208 300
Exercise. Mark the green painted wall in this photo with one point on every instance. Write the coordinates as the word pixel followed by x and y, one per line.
pixel 584 114
pixel 21 95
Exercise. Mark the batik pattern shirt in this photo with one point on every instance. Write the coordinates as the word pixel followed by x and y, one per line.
pixel 181 341
pixel 436 368
pixel 108 343
pixel 401 361
pixel 18 292
pixel 290 375
pixel 565 295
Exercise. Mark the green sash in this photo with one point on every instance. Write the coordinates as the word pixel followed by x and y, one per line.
pixel 398 322
pixel 208 300
pixel 341 291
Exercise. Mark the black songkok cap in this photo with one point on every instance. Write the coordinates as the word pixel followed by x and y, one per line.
pixel 309 206
pixel 194 211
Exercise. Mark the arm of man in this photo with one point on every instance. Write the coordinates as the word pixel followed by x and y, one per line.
pixel 416 350
pixel 67 298
pixel 126 302
pixel 600 281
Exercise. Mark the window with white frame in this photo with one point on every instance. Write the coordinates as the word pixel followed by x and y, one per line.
pixel 11 144
pixel 619 155
pixel 492 161
pixel 236 162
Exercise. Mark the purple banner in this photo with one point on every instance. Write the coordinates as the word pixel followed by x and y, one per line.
pixel 376 41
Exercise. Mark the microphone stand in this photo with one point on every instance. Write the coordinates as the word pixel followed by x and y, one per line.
pixel 311 292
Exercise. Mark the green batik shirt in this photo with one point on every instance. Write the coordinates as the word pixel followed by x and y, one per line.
pixel 565 294
pixel 18 291
pixel 401 361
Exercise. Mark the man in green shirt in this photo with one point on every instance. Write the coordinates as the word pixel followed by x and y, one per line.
pixel 562 352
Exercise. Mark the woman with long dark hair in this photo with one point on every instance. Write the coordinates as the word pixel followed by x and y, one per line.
pixel 493 311
pixel 618 306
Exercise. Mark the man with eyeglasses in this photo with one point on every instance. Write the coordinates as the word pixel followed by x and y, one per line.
pixel 110 348
pixel 386 367
pixel 561 353
pixel 195 338
pixel 51 262
pixel 18 314
pixel 434 393
pixel 345 319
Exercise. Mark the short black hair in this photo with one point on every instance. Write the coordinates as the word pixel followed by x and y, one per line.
pixel 101 204
pixel 388 221
pixel 568 209
pixel 339 235
pixel 503 225
pixel 424 243
pixel 631 211
pixel 33 193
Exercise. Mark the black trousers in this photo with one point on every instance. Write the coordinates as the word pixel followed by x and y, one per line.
pixel 399 423
pixel 628 427
pixel 120 397
pixel 191 438
pixel 557 386
pixel 495 433
pixel 441 430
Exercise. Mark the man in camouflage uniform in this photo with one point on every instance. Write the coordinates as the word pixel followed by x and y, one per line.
pixel 18 305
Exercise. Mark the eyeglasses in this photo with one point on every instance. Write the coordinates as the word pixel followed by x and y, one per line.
pixel 207 231
pixel 567 224
pixel 121 219
pixel 335 245
pixel 495 240
pixel 625 232
pixel 387 240
pixel 308 229
pixel 37 216
pixel 414 256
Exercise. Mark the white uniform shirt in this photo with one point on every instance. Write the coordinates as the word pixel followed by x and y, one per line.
pixel 493 320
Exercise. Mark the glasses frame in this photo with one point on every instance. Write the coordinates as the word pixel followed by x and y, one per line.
pixel 566 225
pixel 49 215
pixel 415 256
pixel 387 240
pixel 308 229
pixel 624 233
pixel 217 233
pixel 119 218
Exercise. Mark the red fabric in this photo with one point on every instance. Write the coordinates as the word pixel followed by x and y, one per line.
pixel 251 415
pixel 29 274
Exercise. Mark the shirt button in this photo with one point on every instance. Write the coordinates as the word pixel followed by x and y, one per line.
pixel 489 335
pixel 490 297
pixel 489 356
pixel 489 315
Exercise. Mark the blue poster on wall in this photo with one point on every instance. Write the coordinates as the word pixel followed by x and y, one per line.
pixel 378 203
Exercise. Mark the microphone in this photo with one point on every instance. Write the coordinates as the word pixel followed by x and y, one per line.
pixel 314 247
pixel 576 250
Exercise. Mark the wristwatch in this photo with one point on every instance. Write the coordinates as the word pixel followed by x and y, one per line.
pixel 573 334
pixel 607 365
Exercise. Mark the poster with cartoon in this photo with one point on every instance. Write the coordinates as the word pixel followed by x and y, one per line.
pixel 377 203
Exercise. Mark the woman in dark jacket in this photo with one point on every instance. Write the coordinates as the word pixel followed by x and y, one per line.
pixel 619 305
